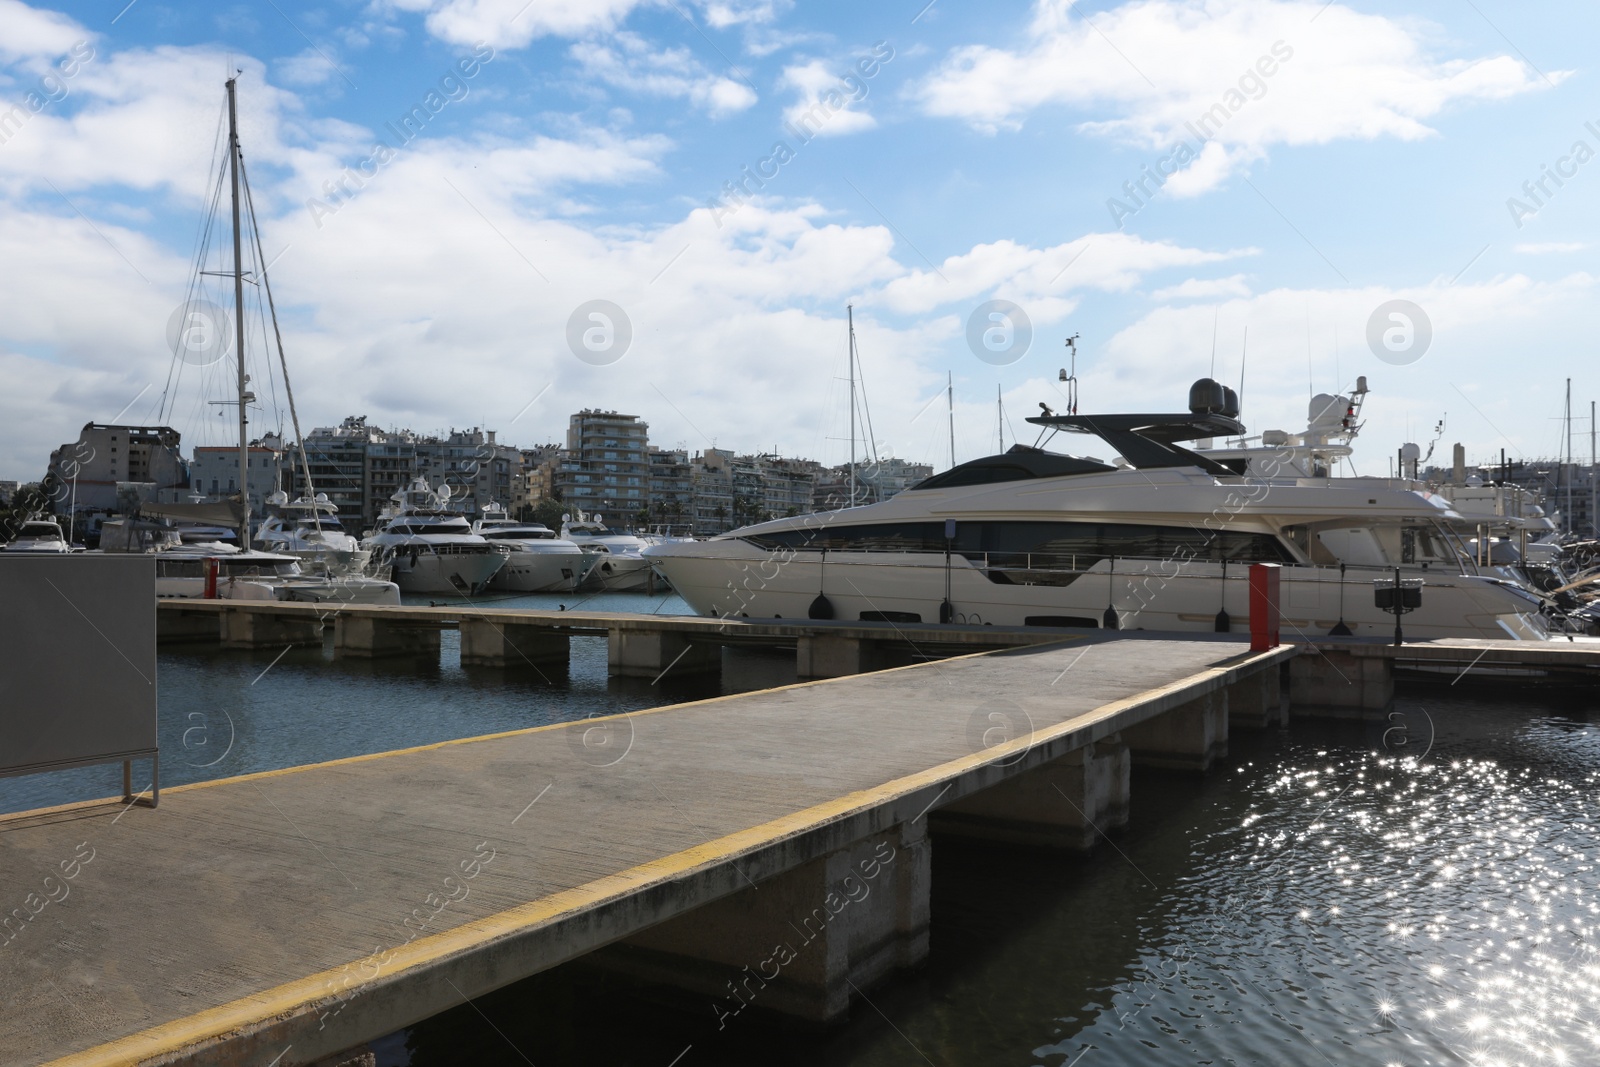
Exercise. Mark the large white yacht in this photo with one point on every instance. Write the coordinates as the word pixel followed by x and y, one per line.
pixel 309 530
pixel 431 550
pixel 621 566
pixel 39 535
pixel 182 569
pixel 1160 539
pixel 538 560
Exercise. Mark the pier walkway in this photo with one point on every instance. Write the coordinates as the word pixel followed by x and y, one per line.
pixel 767 848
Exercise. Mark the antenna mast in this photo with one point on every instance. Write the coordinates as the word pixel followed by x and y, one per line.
pixel 950 403
pixel 1071 379
pixel 1568 471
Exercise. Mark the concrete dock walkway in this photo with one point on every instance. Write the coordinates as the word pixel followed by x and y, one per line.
pixel 281 917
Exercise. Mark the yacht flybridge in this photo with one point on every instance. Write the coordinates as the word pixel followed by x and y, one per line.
pixel 1158 540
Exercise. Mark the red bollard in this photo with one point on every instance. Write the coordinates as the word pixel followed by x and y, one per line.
pixel 1265 582
pixel 211 577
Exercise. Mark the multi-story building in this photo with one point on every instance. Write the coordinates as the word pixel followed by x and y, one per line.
pixel 606 469
pixel 214 472
pixel 875 480
pixel 711 482
pixel 337 458
pixel 671 489
pixel 84 474
pixel 536 480
pixel 477 468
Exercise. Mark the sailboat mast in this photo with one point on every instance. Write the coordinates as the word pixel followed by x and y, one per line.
pixel 238 320
pixel 1594 485
pixel 850 311
pixel 1000 417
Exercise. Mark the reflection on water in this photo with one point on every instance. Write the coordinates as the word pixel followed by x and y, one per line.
pixel 1325 897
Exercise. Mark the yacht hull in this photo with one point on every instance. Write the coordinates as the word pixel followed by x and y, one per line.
pixel 539 572
pixel 618 574
pixel 733 577
pixel 428 571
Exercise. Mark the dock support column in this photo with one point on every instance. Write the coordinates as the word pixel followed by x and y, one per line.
pixel 1186 738
pixel 174 627
pixel 647 654
pixel 1333 683
pixel 495 643
pixel 1068 803
pixel 1255 702
pixel 368 637
pixel 827 656
pixel 797 942
pixel 244 628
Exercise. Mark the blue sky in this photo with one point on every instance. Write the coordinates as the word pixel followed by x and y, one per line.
pixel 1362 153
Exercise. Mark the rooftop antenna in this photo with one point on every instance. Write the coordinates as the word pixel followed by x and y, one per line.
pixel 950 403
pixel 1214 342
pixel 1244 353
pixel 1071 379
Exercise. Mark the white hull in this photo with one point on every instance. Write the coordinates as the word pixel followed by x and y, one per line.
pixel 732 577
pixel 618 574
pixel 539 572
pixel 299 590
pixel 459 573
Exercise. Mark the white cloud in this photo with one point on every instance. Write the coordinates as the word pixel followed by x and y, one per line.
pixel 514 23
pixel 30 33
pixel 305 69
pixel 1040 278
pixel 1544 248
pixel 630 62
pixel 148 119
pixel 1196 71
pixel 1205 288
pixel 827 104
pixel 1318 338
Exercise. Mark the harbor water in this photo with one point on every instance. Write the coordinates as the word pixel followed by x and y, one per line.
pixel 1418 889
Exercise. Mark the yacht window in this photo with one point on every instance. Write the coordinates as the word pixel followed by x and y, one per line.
pixel 1062 542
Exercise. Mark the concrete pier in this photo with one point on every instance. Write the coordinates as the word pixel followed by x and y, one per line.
pixel 635 654
pixel 831 656
pixel 1257 702
pixel 1337 683
pixel 494 643
pixel 797 943
pixel 1187 738
pixel 1069 803
pixel 373 637
pixel 253 629
pixel 284 917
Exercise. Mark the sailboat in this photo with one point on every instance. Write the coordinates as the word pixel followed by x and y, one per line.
pixel 211 568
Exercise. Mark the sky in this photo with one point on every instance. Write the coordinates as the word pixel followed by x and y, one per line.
pixel 496 212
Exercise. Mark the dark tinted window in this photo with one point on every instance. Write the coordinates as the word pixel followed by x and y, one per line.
pixel 1048 543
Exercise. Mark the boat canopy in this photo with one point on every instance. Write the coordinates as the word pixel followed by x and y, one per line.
pixel 1020 463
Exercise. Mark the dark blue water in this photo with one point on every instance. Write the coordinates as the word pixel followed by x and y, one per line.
pixel 1419 890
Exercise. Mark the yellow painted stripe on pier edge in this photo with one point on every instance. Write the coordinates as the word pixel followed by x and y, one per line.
pixel 171 1038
